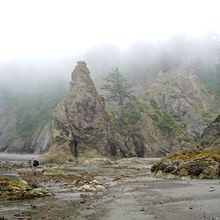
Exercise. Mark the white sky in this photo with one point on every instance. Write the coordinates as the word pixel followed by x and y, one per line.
pixel 48 28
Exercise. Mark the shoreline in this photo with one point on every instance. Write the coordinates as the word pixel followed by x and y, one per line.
pixel 129 192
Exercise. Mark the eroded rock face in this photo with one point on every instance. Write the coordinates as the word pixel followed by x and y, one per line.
pixel 81 117
pixel 7 125
pixel 140 133
pixel 211 135
pixel 181 94
pixel 11 140
pixel 42 141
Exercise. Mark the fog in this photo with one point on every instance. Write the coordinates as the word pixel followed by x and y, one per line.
pixel 55 28
pixel 41 41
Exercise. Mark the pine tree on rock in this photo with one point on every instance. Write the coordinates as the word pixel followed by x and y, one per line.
pixel 117 87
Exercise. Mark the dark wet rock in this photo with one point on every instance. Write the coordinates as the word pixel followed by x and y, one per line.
pixel 194 164
pixel 154 168
pixel 194 168
pixel 169 169
pixel 162 166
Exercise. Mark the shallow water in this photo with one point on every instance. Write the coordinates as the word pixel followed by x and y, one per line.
pixel 8 173
pixel 17 157
pixel 42 208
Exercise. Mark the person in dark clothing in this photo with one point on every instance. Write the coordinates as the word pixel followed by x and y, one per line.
pixel 34 163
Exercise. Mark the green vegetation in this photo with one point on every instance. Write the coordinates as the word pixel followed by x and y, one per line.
pixel 128 114
pixel 32 110
pixel 194 155
pixel 207 116
pixel 117 88
pixel 210 75
pixel 13 189
pixel 162 120
pixel 131 113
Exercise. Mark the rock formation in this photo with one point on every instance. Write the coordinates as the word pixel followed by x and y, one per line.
pixel 81 118
pixel 182 95
pixel 7 125
pixel 175 110
pixel 139 127
pixel 211 135
pixel 10 138
pixel 42 141
pixel 197 163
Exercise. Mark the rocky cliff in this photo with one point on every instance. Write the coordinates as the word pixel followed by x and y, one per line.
pixel 7 125
pixel 81 117
pixel 211 135
pixel 11 139
pixel 176 110
pixel 182 95
pixel 147 131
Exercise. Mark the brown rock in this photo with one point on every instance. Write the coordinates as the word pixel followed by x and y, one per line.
pixel 81 117
pixel 183 172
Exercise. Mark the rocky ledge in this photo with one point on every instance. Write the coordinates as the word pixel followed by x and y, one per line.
pixel 203 164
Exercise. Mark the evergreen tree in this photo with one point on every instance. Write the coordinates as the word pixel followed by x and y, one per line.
pixel 117 87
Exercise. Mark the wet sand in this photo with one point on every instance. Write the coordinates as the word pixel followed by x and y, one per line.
pixel 132 193
pixel 161 199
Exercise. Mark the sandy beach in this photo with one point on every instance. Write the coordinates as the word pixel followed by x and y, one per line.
pixel 131 193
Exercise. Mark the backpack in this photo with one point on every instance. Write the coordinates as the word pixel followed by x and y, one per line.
pixel 35 163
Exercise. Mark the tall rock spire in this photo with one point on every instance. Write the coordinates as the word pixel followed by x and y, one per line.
pixel 81 117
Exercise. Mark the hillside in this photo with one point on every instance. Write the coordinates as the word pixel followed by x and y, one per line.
pixel 184 97
pixel 176 85
pixel 29 113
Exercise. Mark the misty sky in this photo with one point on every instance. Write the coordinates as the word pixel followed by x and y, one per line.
pixel 52 28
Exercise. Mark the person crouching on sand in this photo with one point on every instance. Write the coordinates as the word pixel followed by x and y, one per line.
pixel 34 163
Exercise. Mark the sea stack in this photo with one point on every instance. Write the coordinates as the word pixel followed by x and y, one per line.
pixel 80 118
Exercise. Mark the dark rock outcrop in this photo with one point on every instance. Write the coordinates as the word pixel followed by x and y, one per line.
pixel 81 117
pixel 194 164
